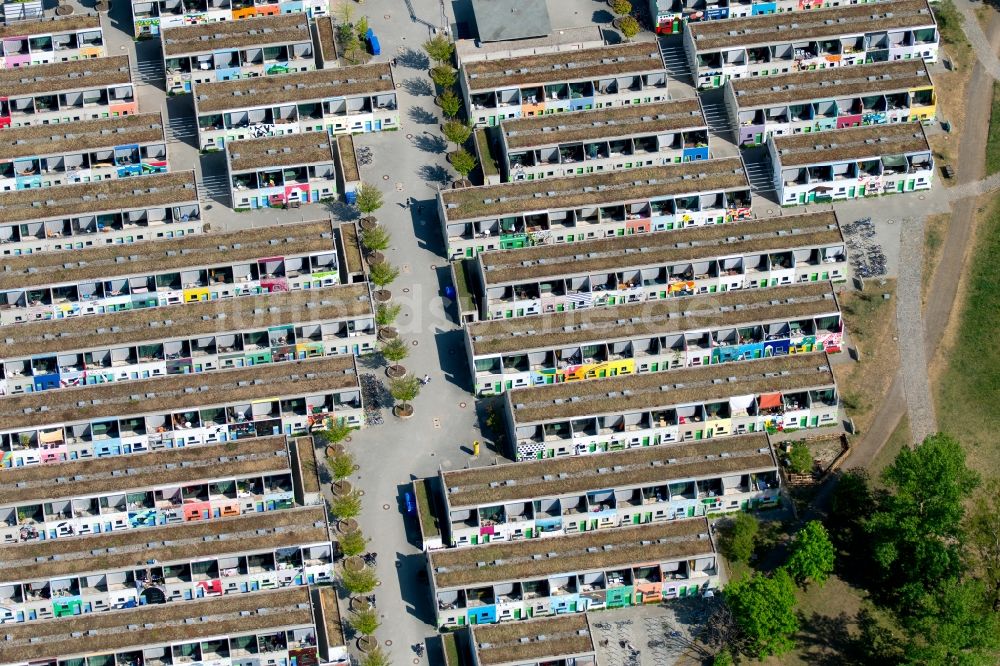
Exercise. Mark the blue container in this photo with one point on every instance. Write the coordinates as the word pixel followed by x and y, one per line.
pixel 373 44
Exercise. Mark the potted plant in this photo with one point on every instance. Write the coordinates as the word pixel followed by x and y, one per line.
pixel 369 200
pixel 385 317
pixel 375 241
pixel 346 506
pixel 335 433
pixel 341 466
pixel 404 390
pixel 394 351
pixel 382 275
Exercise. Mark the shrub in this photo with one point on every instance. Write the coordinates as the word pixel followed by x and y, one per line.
pixel 630 27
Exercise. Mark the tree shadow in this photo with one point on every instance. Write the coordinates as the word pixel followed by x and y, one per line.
pixel 413 59
pixel 422 116
pixel 418 87
pixel 430 143
pixel 612 37
pixel 434 174
pixel 342 211
pixel 827 640
pixel 602 16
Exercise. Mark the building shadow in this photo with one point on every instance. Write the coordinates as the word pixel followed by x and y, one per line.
pixel 452 357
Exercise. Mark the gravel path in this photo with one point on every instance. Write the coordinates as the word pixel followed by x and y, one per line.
pixel 984 49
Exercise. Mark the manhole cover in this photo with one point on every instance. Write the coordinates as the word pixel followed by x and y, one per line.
pixel 434 267
pixel 462 405
pixel 409 136
pixel 385 177
pixel 406 268
pixel 770 211
pixel 357 467
pixel 348 439
pixel 385 507
pixel 379 584
pixel 388 641
pixel 415 343
pixel 399 187
pixel 361 493
pixel 891 221
pixel 437 424
pixel 385 16
pixel 406 290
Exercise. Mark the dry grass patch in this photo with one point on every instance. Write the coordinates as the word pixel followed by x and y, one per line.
pixel 899 438
pixel 935 229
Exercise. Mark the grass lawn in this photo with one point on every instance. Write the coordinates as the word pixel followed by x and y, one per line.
pixel 993 138
pixel 951 106
pixel 934 233
pixel 870 321
pixel 966 392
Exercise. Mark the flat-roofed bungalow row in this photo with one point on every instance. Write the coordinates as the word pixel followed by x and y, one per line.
pixel 576 80
pixel 63 500
pixel 113 212
pixel 601 140
pixel 126 418
pixel 151 17
pixel 851 163
pixel 820 39
pixel 165 565
pixel 297 625
pixel 877 94
pixel 223 51
pixel 281 171
pixel 82 152
pixel 48 40
pixel 572 573
pixel 636 269
pixel 547 498
pixel 688 405
pixel 557 641
pixel 652 337
pixel 187 339
pixel 600 205
pixel 188 269
pixel 670 16
pixel 345 100
pixel 67 91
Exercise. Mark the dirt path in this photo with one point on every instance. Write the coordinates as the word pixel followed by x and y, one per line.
pixel 941 299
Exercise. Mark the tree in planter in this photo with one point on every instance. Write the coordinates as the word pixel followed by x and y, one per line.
pixel 444 76
pixel 439 48
pixel 383 274
pixel 394 351
pixel 346 507
pixel 463 162
pixel 341 465
pixel 376 239
pixel 369 198
pixel 376 657
pixel 335 433
pixel 630 27
pixel 812 554
pixel 361 29
pixel 449 103
pixel 363 581
pixel 366 621
pixel 457 132
pixel 405 390
pixel 353 543
pixel 800 459
pixel 621 7
pixel 386 313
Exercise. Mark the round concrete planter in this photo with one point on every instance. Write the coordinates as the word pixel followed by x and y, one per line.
pixel 382 295
pixel 395 371
pixel 354 564
pixel 334 450
pixel 403 411
pixel 387 333
pixel 358 604
pixel 367 643
pixel 64 10
pixel 368 223
pixel 342 487
pixel 347 526
pixel 376 258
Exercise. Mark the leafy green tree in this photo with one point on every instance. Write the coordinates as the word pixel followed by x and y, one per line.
pixel 361 29
pixel 439 48
pixel 764 610
pixel 369 198
pixel 382 274
pixel 395 351
pixel 851 504
pixel 800 458
pixel 376 657
pixel 353 543
pixel 812 555
pixel 335 433
pixel 341 465
pixel 739 537
pixel 346 507
pixel 462 161
pixel 362 581
pixel 724 658
pixel 915 530
pixel 457 132
pixel 386 314
pixel 444 76
pixel 376 239
pixel 621 7
pixel 405 389
pixel 365 621
pixel 954 625
pixel 449 103
pixel 630 27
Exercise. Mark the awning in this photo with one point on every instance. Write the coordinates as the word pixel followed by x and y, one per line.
pixel 769 400
pixel 51 437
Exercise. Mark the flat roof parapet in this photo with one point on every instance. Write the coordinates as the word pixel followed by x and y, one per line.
pixel 50 25
pixel 539 640
pixel 83 135
pixel 279 151
pixel 815 24
pixel 256 32
pixel 850 143
pixel 593 189
pixel 219 96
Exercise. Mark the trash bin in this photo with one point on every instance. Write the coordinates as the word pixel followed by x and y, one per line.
pixel 373 44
